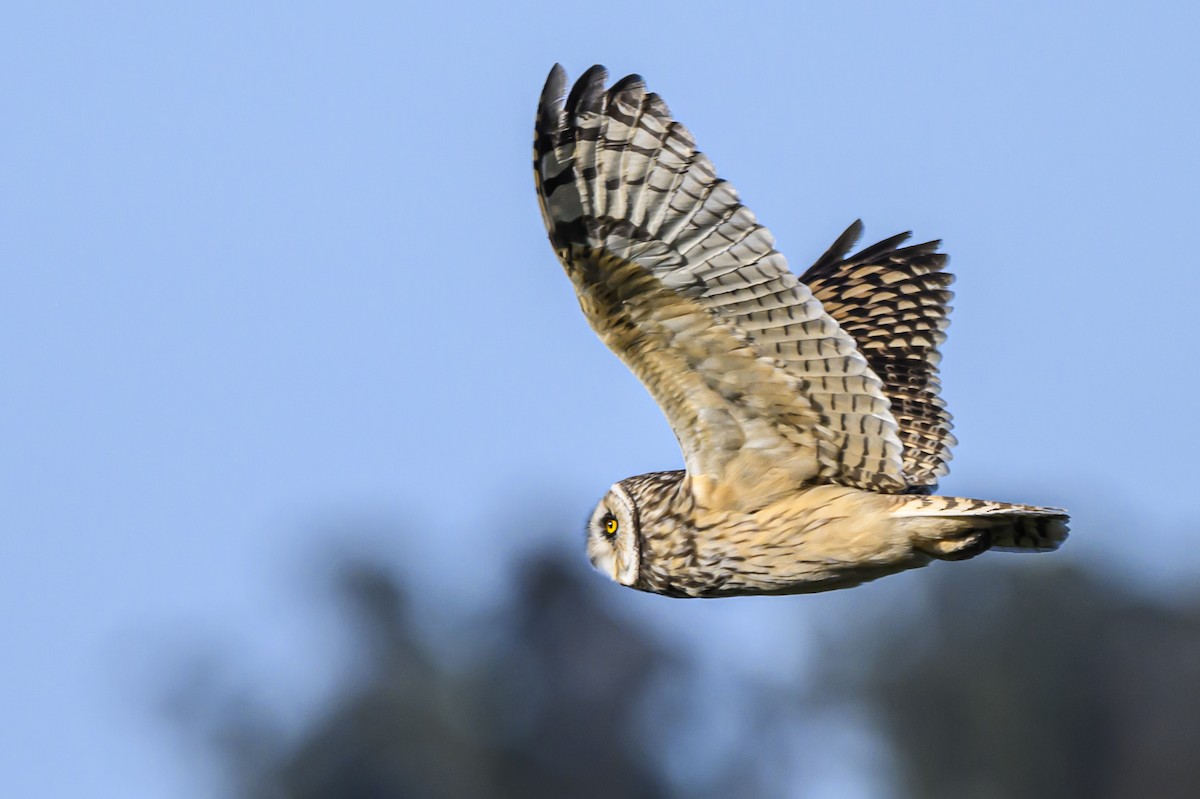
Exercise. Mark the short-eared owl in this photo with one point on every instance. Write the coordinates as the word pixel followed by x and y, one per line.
pixel 807 408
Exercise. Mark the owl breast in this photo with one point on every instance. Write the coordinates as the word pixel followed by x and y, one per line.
pixel 818 539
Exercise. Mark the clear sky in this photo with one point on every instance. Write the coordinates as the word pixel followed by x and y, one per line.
pixel 268 268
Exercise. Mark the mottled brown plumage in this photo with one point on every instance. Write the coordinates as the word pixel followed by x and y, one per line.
pixel 893 301
pixel 807 410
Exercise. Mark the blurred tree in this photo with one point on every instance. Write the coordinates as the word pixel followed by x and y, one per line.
pixel 566 717
pixel 1034 682
pixel 552 703
pixel 988 681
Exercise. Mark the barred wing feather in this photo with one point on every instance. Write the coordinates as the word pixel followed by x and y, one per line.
pixel 893 301
pixel 762 387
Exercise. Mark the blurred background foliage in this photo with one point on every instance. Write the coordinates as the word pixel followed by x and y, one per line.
pixel 999 678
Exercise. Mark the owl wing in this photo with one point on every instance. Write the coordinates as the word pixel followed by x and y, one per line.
pixel 893 301
pixel 762 388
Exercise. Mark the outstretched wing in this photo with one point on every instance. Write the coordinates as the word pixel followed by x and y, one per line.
pixel 892 300
pixel 763 389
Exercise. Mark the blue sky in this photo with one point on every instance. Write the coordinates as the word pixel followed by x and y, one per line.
pixel 273 273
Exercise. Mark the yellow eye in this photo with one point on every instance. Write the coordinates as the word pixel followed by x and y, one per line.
pixel 610 526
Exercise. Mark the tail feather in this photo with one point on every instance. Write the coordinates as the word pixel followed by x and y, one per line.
pixel 954 528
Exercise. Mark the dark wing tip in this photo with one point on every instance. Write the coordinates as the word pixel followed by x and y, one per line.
pixel 886 246
pixel 587 91
pixel 553 91
pixel 840 248
pixel 627 84
pixel 556 79
pixel 549 114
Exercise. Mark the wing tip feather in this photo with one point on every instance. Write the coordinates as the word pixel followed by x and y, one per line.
pixel 550 102
pixel 627 84
pixel 840 248
pixel 586 93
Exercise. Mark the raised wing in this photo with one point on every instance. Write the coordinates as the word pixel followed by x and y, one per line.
pixel 892 300
pixel 763 389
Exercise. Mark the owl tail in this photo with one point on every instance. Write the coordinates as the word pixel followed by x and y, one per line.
pixel 953 528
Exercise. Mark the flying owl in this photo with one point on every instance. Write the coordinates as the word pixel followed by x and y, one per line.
pixel 807 408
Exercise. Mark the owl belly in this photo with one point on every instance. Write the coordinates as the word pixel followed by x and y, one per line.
pixel 819 539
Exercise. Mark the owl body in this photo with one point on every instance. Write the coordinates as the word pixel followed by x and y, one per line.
pixel 817 539
pixel 807 408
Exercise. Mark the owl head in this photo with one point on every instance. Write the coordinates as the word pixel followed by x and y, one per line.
pixel 612 536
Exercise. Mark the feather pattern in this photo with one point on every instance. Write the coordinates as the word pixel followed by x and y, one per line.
pixel 807 409
pixel 763 388
pixel 893 301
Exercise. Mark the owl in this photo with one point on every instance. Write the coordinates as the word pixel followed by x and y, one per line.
pixel 807 408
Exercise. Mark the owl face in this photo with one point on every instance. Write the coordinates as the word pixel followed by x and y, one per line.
pixel 612 536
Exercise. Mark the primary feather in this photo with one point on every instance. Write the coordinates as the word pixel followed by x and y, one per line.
pixel 893 301
pixel 629 201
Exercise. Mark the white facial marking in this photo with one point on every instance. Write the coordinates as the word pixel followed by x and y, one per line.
pixel 614 554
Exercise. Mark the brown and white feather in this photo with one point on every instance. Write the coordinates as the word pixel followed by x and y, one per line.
pixel 894 301
pixel 680 280
pixel 807 409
